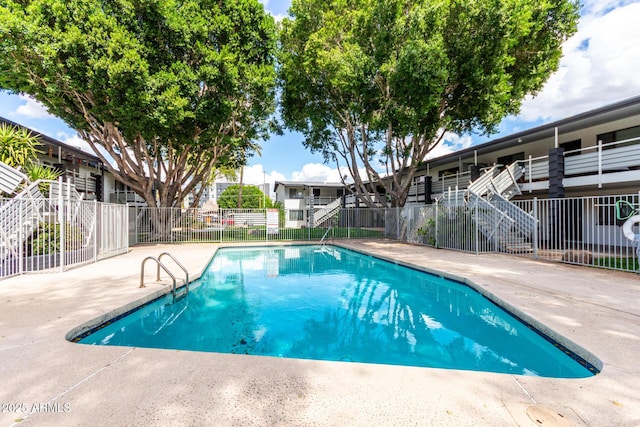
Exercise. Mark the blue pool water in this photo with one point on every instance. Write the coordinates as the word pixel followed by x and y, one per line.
pixel 328 303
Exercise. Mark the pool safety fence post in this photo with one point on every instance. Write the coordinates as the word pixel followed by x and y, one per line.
pixel 125 226
pixel 61 216
pixel 135 223
pixel 475 228
pixel 436 226
pixel 95 230
pixel 21 238
pixel 534 233
pixel 170 226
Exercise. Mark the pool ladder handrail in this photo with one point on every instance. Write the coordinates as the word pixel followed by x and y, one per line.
pixel 164 267
pixel 325 235
pixel 186 273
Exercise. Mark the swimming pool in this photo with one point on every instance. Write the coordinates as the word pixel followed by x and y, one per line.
pixel 330 303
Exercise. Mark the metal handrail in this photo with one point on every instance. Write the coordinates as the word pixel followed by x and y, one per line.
pixel 179 265
pixel 160 264
pixel 325 235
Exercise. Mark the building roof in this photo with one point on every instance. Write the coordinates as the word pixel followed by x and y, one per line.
pixel 307 184
pixel 608 113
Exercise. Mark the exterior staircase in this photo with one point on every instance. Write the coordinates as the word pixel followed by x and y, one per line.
pixel 10 179
pixel 504 183
pixel 497 218
pixel 21 215
pixel 77 212
pixel 323 214
pixel 491 193
pixel 452 199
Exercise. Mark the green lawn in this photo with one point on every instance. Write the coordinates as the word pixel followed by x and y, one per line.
pixel 258 233
pixel 627 263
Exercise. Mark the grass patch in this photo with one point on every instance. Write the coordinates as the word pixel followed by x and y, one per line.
pixel 627 263
pixel 259 234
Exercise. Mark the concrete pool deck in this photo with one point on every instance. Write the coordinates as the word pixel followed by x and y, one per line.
pixel 49 381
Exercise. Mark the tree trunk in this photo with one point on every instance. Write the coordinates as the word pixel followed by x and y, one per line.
pixel 240 188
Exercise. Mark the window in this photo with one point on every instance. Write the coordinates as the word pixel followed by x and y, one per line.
pixel 447 172
pixel 572 146
pixel 507 160
pixel 295 193
pixel 620 135
pixel 296 215
pixel 316 192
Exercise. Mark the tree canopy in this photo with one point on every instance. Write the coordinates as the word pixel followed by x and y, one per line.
pixel 252 198
pixel 166 90
pixel 378 83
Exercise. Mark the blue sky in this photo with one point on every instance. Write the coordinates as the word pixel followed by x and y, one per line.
pixel 601 65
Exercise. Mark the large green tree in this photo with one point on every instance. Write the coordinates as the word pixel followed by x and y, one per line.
pixel 252 198
pixel 378 83
pixel 167 91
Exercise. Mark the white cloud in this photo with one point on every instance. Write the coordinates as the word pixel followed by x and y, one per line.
pixel 32 108
pixel 277 16
pixel 601 7
pixel 451 143
pixel 316 172
pixel 256 175
pixel 600 64
pixel 75 141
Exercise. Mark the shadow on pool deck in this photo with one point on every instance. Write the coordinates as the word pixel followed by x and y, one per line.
pixel 73 384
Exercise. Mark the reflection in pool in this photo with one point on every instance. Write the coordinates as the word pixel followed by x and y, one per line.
pixel 328 303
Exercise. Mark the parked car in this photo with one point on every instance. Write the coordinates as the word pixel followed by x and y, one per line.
pixel 228 220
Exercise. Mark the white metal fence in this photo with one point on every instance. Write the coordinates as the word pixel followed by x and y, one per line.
pixel 53 231
pixel 573 230
pixel 582 230
pixel 56 233
pixel 166 225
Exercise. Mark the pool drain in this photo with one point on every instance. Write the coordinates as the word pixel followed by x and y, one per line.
pixel 543 416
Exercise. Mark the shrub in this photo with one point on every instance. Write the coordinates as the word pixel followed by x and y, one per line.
pixel 45 239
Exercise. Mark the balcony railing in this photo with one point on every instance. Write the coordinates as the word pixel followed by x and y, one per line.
pixel 122 197
pixel 320 200
pixel 594 161
pixel 351 201
pixel 618 156
pixel 84 184
pixel 597 160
